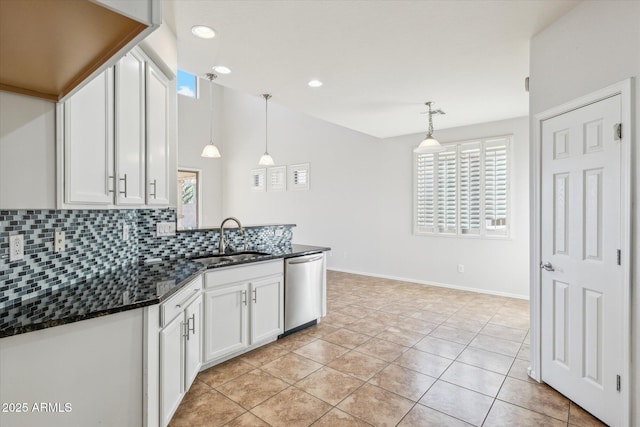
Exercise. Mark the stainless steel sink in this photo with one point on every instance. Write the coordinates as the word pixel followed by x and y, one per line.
pixel 229 258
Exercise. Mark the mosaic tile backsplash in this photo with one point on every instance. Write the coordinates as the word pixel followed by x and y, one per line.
pixel 94 246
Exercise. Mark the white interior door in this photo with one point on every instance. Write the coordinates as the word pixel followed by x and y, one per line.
pixel 582 285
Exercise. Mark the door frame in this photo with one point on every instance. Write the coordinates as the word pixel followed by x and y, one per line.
pixel 625 90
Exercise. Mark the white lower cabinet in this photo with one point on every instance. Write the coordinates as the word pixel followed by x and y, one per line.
pixel 243 308
pixel 267 315
pixel 180 347
pixel 225 321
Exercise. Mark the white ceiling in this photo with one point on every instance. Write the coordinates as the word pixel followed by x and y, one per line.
pixel 379 60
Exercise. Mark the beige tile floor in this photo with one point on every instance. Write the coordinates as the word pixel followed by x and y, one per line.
pixel 388 353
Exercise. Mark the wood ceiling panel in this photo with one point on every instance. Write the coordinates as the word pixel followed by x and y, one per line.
pixel 48 47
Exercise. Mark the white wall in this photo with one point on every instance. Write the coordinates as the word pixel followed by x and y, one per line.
pixel 593 46
pixel 360 202
pixel 27 152
pixel 193 135
pixel 94 365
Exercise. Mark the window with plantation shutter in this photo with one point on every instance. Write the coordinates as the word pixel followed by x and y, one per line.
pixel 463 190
pixel 299 177
pixel 447 191
pixel 496 186
pixel 425 189
pixel 470 188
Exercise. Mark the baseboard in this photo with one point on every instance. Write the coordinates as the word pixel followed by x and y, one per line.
pixel 430 283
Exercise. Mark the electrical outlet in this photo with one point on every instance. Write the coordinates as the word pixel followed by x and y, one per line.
pixel 165 229
pixel 125 232
pixel 279 232
pixel 460 268
pixel 59 242
pixel 16 247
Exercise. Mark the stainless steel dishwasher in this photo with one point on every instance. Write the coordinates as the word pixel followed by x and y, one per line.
pixel 304 288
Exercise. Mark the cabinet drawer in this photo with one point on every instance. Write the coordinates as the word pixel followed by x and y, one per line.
pixel 177 303
pixel 242 273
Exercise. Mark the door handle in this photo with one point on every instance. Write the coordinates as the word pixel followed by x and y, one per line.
pixel 155 188
pixel 125 185
pixel 305 260
pixel 191 328
pixel 547 266
pixel 185 327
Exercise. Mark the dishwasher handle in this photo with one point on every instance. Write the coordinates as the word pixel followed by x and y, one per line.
pixel 302 261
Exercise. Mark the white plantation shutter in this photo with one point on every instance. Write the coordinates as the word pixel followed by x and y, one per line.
pixel 277 178
pixel 470 188
pixel 463 190
pixel 258 179
pixel 425 212
pixel 496 196
pixel 447 191
pixel 299 177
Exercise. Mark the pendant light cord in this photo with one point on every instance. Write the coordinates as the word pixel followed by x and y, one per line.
pixel 266 122
pixel 211 110
pixel 211 78
pixel 430 131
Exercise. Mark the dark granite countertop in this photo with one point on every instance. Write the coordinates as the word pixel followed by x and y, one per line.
pixel 135 286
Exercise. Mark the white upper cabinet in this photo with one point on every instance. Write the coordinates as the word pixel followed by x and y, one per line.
pixel 157 137
pixel 130 129
pixel 88 143
pixel 116 139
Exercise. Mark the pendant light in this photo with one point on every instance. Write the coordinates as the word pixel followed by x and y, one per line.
pixel 210 150
pixel 429 144
pixel 266 159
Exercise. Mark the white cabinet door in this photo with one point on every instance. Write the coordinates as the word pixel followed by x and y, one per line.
pixel 225 321
pixel 193 344
pixel 171 371
pixel 88 143
pixel 157 137
pixel 130 129
pixel 267 315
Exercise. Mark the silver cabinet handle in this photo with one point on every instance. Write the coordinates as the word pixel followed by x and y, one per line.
pixel 155 188
pixel 547 266
pixel 302 261
pixel 255 296
pixel 191 328
pixel 125 185
pixel 244 297
pixel 185 327
pixel 111 187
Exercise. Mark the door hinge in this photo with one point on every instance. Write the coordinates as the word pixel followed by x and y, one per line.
pixel 619 257
pixel 617 134
pixel 618 386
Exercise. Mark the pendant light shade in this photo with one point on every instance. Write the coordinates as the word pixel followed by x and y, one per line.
pixel 266 159
pixel 429 144
pixel 211 150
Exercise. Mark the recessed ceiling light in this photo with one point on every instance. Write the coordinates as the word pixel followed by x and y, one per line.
pixel 221 69
pixel 314 83
pixel 203 31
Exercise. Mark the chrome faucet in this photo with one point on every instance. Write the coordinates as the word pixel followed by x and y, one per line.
pixel 221 244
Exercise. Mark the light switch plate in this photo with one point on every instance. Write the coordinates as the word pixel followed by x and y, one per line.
pixel 164 229
pixel 125 232
pixel 16 247
pixel 59 242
